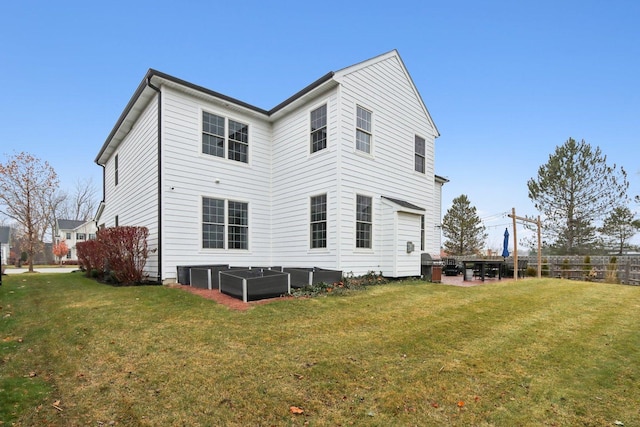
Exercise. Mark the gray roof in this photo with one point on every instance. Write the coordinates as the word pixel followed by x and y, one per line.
pixel 5 234
pixel 404 204
pixel 69 224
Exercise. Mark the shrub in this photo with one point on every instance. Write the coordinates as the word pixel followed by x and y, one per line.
pixel 91 256
pixel 117 255
pixel 125 251
pixel 348 283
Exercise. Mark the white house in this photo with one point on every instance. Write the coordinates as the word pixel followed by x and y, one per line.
pixel 71 232
pixel 340 175
pixel 5 244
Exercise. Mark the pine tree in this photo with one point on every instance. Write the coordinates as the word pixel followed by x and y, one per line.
pixel 574 190
pixel 462 228
pixel 618 228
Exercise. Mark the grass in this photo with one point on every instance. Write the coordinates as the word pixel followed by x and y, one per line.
pixel 532 352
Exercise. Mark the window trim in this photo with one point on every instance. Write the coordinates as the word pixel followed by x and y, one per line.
pixel 322 221
pixel 417 155
pixel 227 226
pixel 312 110
pixel 360 221
pixel 227 142
pixel 368 132
pixel 116 170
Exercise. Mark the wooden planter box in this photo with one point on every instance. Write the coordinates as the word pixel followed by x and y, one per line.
pixel 254 284
pixel 312 276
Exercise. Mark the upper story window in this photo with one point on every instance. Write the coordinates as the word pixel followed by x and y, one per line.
pixel 420 154
pixel 92 236
pixel 81 236
pixel 363 130
pixel 115 174
pixel 216 224
pixel 68 236
pixel 238 141
pixel 318 221
pixel 364 219
pixel 319 128
pixel 215 137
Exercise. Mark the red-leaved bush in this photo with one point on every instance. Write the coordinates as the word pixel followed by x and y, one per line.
pixel 119 251
pixel 90 256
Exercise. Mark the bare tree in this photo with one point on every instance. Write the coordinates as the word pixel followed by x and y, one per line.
pixel 81 203
pixel 26 184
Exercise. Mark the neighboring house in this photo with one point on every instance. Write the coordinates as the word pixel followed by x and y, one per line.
pixel 340 175
pixel 5 244
pixel 71 232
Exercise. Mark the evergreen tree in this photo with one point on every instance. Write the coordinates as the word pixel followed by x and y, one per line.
pixel 462 228
pixel 618 228
pixel 573 190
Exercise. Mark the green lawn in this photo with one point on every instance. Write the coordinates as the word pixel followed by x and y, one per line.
pixel 533 352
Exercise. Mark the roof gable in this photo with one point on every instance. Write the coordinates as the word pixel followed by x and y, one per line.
pixel 69 224
pixel 393 54
pixel 149 87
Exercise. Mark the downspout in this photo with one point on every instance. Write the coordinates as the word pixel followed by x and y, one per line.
pixel 157 89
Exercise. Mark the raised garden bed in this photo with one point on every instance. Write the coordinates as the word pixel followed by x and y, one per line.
pixel 254 284
pixel 312 276
pixel 200 276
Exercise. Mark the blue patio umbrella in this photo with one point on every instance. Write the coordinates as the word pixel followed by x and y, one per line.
pixel 505 245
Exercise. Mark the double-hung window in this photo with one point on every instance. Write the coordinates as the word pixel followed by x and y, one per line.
pixel 420 154
pixel 225 224
pixel 238 233
pixel 364 219
pixel 215 138
pixel 81 236
pixel 363 130
pixel 319 129
pixel 319 221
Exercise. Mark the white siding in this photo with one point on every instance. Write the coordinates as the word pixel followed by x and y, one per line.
pixel 282 175
pixel 407 264
pixel 296 176
pixel 135 199
pixel 397 114
pixel 189 175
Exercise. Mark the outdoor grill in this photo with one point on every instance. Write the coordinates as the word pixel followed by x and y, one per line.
pixel 430 269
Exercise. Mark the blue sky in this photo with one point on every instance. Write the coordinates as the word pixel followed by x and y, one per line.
pixel 505 81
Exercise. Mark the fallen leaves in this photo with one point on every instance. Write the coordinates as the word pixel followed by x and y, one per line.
pixel 295 410
pixel 56 404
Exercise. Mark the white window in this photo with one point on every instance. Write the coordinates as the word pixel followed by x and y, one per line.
pixel 364 219
pixel 363 130
pixel 420 154
pixel 116 170
pixel 318 221
pixel 215 138
pixel 319 129
pixel 216 225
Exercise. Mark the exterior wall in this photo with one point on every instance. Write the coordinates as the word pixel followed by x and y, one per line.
pixel 397 116
pixel 135 199
pixel 4 253
pixel 89 230
pixel 297 175
pixel 282 175
pixel 189 175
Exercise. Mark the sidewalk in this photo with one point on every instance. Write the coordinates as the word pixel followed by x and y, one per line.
pixel 39 269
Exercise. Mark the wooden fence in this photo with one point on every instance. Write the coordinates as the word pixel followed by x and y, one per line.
pixel 625 269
